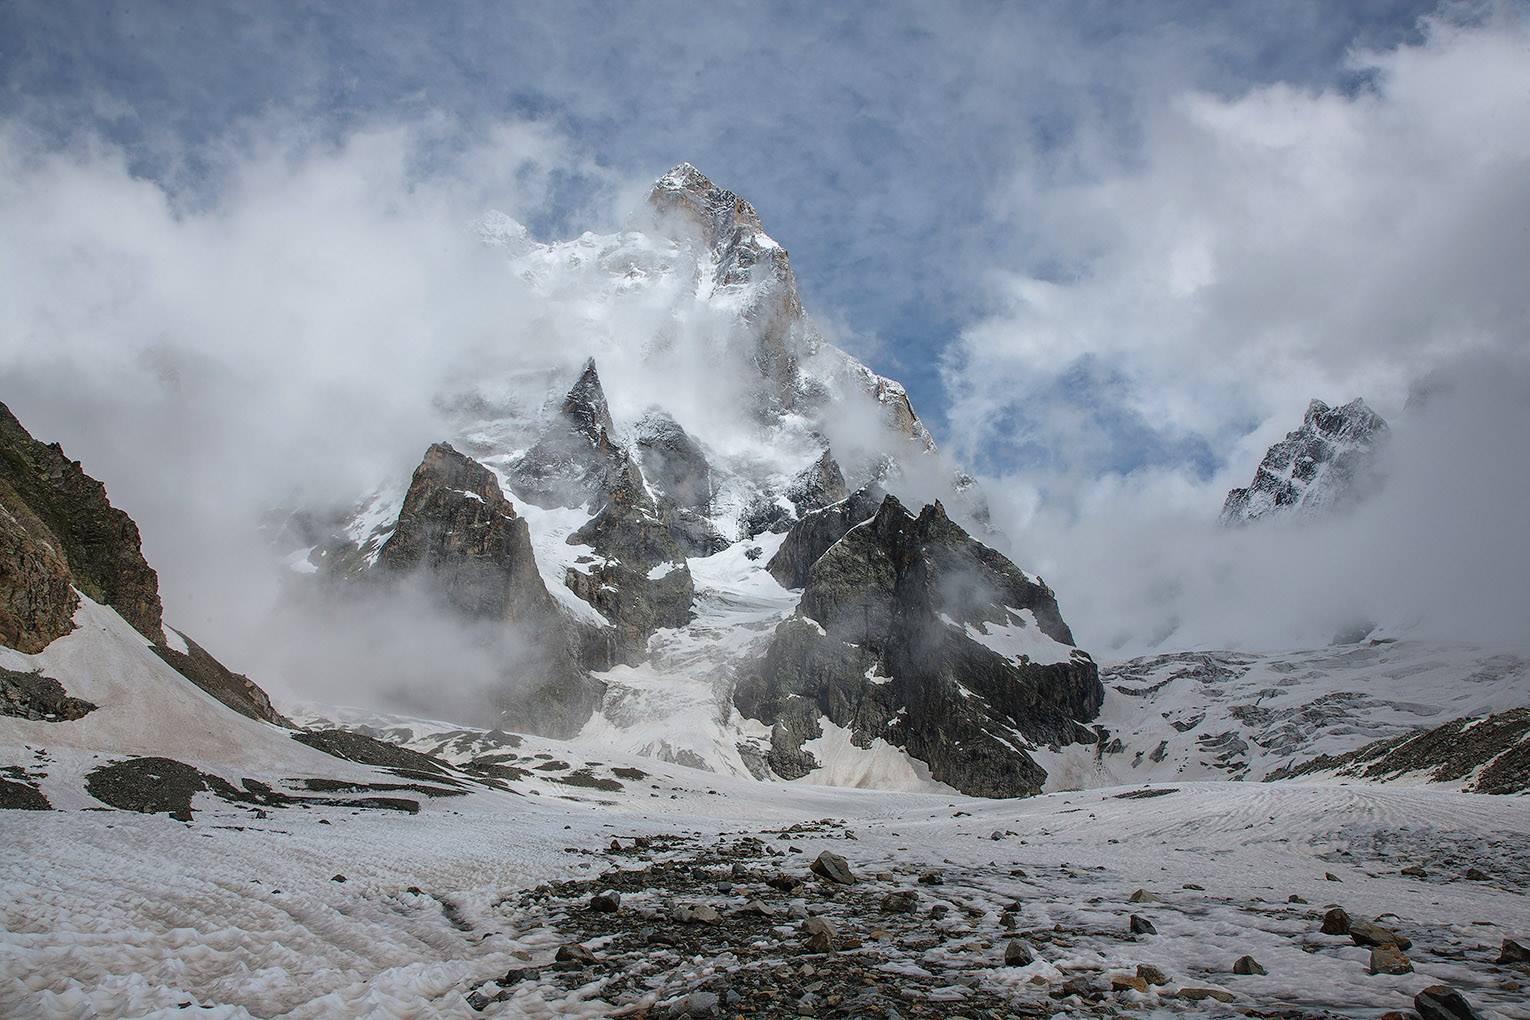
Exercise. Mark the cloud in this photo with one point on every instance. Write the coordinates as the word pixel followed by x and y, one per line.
pixel 1260 250
pixel 286 341
pixel 1257 251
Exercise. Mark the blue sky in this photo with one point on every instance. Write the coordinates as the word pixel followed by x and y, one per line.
pixel 878 141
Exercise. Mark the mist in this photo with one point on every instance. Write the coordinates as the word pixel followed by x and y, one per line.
pixel 1437 553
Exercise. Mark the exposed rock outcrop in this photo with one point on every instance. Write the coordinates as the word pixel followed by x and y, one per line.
pixel 235 690
pixel 640 582
pixel 677 467
pixel 459 533
pixel 1489 754
pixel 813 536
pixel 1327 464
pixel 49 501
pixel 817 485
pixel 576 459
pixel 909 631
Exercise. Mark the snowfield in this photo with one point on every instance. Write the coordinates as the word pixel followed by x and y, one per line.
pixel 120 914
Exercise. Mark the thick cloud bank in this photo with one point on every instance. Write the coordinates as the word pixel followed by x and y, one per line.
pixel 1255 253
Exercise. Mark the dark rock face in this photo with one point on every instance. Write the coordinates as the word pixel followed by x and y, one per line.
pixel 677 466
pixel 47 500
pixel 365 750
pixel 235 690
pixel 37 599
pixel 37 697
pixel 818 485
pixel 576 459
pixel 886 644
pixel 1326 464
pixel 458 531
pixel 458 526
pixel 642 582
pixel 813 536
pixel 1449 753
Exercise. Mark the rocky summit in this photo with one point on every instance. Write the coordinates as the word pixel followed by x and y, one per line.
pixel 1327 464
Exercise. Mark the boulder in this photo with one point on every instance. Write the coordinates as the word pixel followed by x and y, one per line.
pixel 1018 954
pixel 1248 965
pixel 1389 959
pixel 1442 1002
pixel 834 868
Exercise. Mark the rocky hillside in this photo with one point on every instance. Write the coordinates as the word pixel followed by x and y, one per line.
pixel 644 543
pixel 1325 465
pixel 61 540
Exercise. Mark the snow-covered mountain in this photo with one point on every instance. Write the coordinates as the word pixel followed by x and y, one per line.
pixel 1326 464
pixel 621 527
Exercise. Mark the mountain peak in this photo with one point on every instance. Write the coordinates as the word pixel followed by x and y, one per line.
pixel 1324 464
pixel 586 404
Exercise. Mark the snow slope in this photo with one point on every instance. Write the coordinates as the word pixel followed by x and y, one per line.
pixel 1239 715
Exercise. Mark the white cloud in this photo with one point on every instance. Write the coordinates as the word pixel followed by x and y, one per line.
pixel 1261 250
pixel 1258 251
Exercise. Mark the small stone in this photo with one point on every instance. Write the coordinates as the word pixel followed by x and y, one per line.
pixel 1248 965
pixel 1336 922
pixel 616 846
pixel 997 835
pixel 755 908
pixel 1194 887
pixel 1331 877
pixel 1293 898
pixel 1476 875
pixel 834 868
pixel 901 901
pixel 938 911
pixel 1128 983
pixel 931 878
pixel 573 952
pixel 815 925
pixel 796 910
pixel 1018 954
pixel 1151 974
pixel 1414 871
pixel 608 902
pixel 700 913
pixel 1084 986
pixel 1201 994
pixel 1009 919
pixel 1514 952
pixel 1367 934
pixel 338 878
pixel 1143 896
pixel 1442 1002
pixel 695 1004
pixel 1141 926
pixel 1389 960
